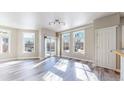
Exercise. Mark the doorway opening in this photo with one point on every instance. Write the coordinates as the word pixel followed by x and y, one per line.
pixel 50 46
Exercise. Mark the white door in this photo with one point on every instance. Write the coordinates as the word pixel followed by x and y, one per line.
pixel 105 42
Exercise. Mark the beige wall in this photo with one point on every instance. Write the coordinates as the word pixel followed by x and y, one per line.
pixel 16 40
pixel 20 53
pixel 16 46
pixel 122 20
pixel 103 22
pixel 107 21
pixel 89 46
pixel 122 36
pixel 122 28
pixel 12 54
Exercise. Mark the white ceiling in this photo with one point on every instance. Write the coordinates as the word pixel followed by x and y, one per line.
pixel 35 20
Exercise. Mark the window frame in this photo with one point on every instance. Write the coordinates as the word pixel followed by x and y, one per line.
pixel 23 44
pixel 63 42
pixel 9 39
pixel 73 46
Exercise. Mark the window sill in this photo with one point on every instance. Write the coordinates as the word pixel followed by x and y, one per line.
pixel 4 53
pixel 66 51
pixel 82 53
pixel 28 52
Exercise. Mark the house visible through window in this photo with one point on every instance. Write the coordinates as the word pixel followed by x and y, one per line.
pixel 29 42
pixel 4 42
pixel 79 38
pixel 66 42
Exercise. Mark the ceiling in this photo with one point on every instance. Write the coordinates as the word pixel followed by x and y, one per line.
pixel 36 20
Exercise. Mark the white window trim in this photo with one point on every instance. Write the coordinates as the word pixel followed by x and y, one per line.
pixel 63 43
pixel 73 46
pixel 9 40
pixel 24 44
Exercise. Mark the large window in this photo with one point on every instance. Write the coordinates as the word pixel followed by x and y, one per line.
pixel 66 42
pixel 29 42
pixel 4 42
pixel 79 38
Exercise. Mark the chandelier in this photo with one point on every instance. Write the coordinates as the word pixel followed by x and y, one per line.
pixel 56 21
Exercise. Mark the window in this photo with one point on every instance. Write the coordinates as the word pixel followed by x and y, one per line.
pixel 4 42
pixel 66 42
pixel 29 42
pixel 79 38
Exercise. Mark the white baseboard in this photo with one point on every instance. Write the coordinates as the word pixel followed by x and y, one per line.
pixel 22 58
pixel 18 58
pixel 8 59
pixel 79 59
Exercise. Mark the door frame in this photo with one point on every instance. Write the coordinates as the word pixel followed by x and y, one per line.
pixel 96 46
pixel 49 37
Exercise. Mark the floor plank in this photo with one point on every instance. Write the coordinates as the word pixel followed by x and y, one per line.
pixel 54 69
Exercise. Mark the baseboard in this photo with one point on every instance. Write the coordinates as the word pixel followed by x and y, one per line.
pixel 9 59
pixel 79 59
pixel 18 58
pixel 24 58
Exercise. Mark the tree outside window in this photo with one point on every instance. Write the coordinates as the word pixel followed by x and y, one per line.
pixel 66 42
pixel 79 38
pixel 29 40
pixel 4 42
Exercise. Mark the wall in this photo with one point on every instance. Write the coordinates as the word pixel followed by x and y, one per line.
pixel 123 36
pixel 58 34
pixel 89 46
pixel 20 53
pixel 42 33
pixel 13 43
pixel 16 47
pixel 16 39
pixel 122 28
pixel 16 44
pixel 109 21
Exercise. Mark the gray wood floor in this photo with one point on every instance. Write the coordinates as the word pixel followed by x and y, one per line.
pixel 54 69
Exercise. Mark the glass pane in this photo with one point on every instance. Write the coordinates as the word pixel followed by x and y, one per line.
pixel 53 42
pixel 79 41
pixel 5 44
pixel 0 44
pixel 29 39
pixel 47 47
pixel 50 47
pixel 66 41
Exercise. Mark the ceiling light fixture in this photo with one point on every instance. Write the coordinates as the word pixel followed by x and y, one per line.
pixel 56 21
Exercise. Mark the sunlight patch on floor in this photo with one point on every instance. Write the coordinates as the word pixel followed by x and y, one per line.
pixel 92 76
pixel 38 64
pixel 83 72
pixel 49 76
pixel 86 67
pixel 46 60
pixel 80 74
pixel 78 65
pixel 62 65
